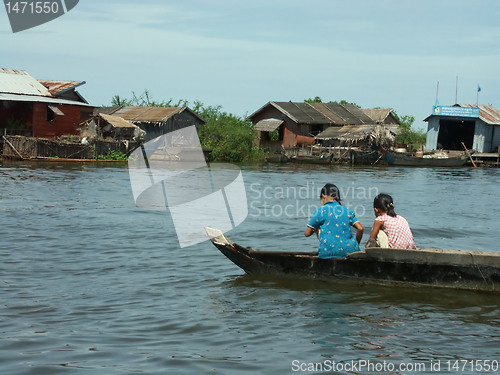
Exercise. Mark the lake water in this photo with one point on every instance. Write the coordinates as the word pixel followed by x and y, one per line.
pixel 91 284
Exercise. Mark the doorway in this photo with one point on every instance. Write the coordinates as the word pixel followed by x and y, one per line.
pixel 453 132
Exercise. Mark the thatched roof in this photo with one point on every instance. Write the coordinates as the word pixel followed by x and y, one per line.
pixel 380 134
pixel 110 126
pixel 381 115
pixel 115 121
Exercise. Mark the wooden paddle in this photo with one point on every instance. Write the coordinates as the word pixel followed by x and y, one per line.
pixel 469 155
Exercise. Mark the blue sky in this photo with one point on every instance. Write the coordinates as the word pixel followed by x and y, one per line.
pixel 242 54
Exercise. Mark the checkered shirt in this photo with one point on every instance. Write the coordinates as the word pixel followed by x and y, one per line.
pixel 398 231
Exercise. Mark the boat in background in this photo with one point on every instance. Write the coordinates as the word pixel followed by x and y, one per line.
pixel 439 159
pixel 443 268
pixel 312 159
pixel 300 159
pixel 278 158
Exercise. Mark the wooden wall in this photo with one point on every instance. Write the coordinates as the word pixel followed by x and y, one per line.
pixel 58 125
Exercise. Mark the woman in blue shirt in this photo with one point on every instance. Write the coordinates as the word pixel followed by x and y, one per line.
pixel 334 221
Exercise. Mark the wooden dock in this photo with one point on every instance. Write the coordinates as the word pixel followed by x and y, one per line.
pixel 487 158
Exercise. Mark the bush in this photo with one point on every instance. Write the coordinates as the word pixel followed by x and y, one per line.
pixel 113 155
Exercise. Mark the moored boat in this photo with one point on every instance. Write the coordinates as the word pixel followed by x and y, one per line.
pixel 446 268
pixel 407 159
pixel 300 159
pixel 278 158
pixel 312 159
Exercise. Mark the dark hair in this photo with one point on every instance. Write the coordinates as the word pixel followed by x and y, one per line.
pixel 332 191
pixel 384 202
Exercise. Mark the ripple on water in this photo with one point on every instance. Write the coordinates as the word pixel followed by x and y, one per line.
pixel 90 282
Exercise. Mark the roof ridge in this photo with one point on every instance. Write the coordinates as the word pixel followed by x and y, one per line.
pixel 280 108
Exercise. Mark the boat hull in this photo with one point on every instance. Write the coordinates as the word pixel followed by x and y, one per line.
pixel 323 159
pixel 282 158
pixel 278 158
pixel 413 161
pixel 457 269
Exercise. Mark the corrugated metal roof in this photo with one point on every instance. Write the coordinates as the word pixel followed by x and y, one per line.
pixel 268 125
pixel 40 99
pixel 328 113
pixel 59 87
pixel 487 113
pixel 148 114
pixel 106 110
pixel 343 114
pixel 20 82
pixel 319 113
pixel 351 114
pixel 301 113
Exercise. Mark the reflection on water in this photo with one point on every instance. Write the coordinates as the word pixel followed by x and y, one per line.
pixel 90 282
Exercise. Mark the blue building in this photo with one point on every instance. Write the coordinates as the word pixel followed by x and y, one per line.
pixel 478 127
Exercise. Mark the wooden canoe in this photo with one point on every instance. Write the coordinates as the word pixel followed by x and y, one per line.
pixel 445 268
pixel 404 159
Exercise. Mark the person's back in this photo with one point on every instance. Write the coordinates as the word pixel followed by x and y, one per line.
pixel 398 231
pixel 334 221
pixel 390 227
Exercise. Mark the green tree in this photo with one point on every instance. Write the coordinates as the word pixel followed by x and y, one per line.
pixel 118 101
pixel 346 102
pixel 407 135
pixel 317 99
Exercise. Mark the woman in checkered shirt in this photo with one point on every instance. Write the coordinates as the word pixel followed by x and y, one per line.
pixel 389 229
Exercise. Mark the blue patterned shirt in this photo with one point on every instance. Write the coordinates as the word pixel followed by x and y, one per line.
pixel 334 222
